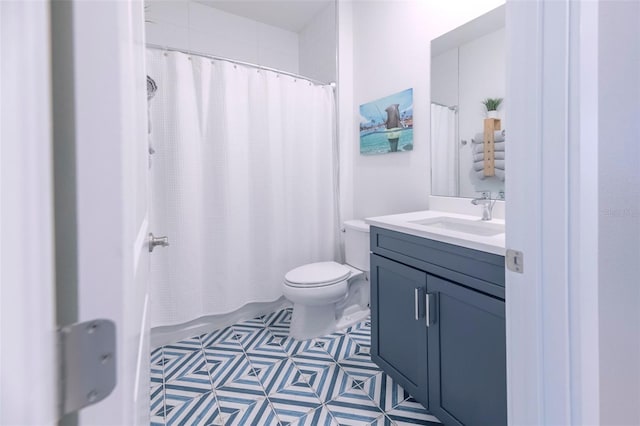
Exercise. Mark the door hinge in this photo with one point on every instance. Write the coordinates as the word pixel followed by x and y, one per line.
pixel 515 261
pixel 87 368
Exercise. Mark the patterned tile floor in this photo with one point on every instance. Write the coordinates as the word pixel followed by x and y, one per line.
pixel 253 373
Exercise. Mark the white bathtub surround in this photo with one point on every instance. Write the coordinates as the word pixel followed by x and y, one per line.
pixel 458 229
pixel 166 335
pixel 242 184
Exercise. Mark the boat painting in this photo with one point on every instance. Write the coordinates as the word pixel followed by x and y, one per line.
pixel 386 125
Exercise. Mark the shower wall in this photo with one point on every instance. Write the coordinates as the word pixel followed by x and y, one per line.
pixel 189 25
pixel 317 46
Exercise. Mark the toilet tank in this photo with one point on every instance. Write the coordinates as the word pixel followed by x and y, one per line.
pixel 356 244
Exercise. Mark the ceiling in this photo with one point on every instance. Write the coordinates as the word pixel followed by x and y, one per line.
pixel 476 28
pixel 292 15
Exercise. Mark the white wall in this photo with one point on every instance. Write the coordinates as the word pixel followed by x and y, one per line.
pixel 619 207
pixel 391 52
pixel 317 46
pixel 185 24
pixel 387 59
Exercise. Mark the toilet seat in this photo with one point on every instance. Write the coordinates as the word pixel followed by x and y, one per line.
pixel 320 274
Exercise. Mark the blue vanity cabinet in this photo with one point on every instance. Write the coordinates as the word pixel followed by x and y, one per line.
pixel 398 338
pixel 438 325
pixel 466 356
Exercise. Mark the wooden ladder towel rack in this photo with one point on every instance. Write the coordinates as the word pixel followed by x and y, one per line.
pixel 490 126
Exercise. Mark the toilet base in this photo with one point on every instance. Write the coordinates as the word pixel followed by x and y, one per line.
pixel 308 322
pixel 352 316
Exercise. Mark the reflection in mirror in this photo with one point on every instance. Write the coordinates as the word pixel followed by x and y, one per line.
pixel 467 69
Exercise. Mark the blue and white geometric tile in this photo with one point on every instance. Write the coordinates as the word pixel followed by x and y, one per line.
pixel 337 345
pixel 222 364
pixel 181 358
pixel 200 411
pixel 361 368
pixel 294 398
pixel 227 340
pixel 361 332
pixel 354 407
pixel 411 412
pixel 248 386
pixel 382 421
pixel 245 409
pixel 185 389
pixel 254 373
pixel 346 346
pixel 328 381
pixel 291 409
pixel 247 331
pixel 157 405
pixel 210 339
pixel 318 417
pixel 281 375
pixel 265 347
pixel 386 393
pixel 313 350
pixel 157 367
pixel 279 320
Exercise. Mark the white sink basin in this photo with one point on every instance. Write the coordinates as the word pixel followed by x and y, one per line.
pixel 473 227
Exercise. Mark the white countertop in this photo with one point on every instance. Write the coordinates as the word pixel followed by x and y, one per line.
pixel 403 223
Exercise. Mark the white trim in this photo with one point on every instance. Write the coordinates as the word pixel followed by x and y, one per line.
pixel 552 309
pixel 28 382
pixel 583 218
pixel 524 26
pixel 554 195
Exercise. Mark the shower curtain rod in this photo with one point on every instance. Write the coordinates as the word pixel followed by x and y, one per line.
pixel 246 64
pixel 452 107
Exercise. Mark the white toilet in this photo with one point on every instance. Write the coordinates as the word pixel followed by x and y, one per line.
pixel 328 296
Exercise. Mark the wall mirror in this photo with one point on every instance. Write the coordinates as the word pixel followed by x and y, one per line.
pixel 467 68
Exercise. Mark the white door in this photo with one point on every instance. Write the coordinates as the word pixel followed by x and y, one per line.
pixel 111 191
pixel 91 86
pixel 27 316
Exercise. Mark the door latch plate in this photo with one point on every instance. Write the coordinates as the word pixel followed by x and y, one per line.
pixel 515 261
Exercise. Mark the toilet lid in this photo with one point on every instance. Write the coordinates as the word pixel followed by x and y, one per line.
pixel 317 274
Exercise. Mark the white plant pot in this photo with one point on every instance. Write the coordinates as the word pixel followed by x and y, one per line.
pixel 492 114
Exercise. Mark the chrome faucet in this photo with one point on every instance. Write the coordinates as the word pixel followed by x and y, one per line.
pixel 487 205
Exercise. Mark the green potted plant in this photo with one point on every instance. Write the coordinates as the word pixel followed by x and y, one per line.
pixel 492 105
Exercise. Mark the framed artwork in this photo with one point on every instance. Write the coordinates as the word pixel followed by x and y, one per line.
pixel 386 124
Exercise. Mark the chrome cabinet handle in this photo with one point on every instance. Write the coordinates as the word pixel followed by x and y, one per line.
pixel 416 300
pixel 427 313
pixel 157 241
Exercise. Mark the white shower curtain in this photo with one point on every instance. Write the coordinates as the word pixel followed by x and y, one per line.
pixel 444 151
pixel 243 183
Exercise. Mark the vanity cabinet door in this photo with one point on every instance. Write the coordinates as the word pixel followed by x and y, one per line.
pixel 467 355
pixel 398 329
